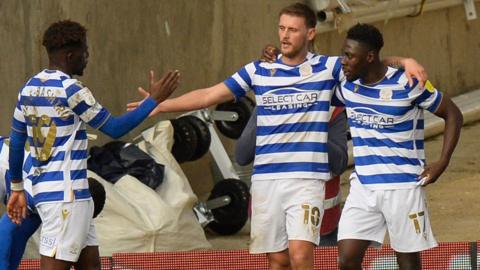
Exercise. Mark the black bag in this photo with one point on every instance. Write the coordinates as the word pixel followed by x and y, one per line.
pixel 115 159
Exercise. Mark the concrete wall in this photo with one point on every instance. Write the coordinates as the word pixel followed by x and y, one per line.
pixel 207 41
pixel 443 41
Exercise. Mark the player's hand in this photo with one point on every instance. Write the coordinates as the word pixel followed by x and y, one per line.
pixel 163 88
pixel 133 105
pixel 145 94
pixel 432 172
pixel 269 54
pixel 414 69
pixel 17 207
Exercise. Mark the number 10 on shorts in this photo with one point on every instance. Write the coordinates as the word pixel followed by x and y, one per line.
pixel 311 214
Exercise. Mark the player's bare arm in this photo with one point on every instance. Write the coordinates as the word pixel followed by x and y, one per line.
pixel 193 100
pixel 453 124
pixel 411 66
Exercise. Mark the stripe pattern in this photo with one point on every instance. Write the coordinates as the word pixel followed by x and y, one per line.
pixel 53 109
pixel 293 105
pixel 386 122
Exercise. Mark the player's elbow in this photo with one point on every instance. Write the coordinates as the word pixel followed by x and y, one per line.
pixel 459 117
pixel 456 115
pixel 338 166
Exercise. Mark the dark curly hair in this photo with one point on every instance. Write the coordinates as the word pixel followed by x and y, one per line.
pixel 63 34
pixel 366 34
pixel 301 10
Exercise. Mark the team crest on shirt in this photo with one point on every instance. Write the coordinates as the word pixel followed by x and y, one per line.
pixel 305 70
pixel 386 94
pixel 272 72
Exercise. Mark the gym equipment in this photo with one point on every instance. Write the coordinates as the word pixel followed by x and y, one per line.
pixel 243 107
pixel 226 210
pixel 187 148
pixel 185 140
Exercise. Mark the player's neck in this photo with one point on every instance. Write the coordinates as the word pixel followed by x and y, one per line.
pixel 295 59
pixel 376 73
pixel 56 66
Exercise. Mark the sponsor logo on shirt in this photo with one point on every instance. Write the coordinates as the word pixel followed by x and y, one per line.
pixel 279 101
pixel 370 118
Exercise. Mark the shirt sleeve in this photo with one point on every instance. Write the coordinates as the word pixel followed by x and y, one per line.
pixel 337 71
pixel 242 81
pixel 245 145
pixel 337 144
pixel 428 98
pixel 16 154
pixel 337 98
pixel 82 103
pixel 18 122
pixel 116 127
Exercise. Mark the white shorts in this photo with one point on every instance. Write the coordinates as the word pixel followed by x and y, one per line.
pixel 67 228
pixel 283 210
pixel 369 214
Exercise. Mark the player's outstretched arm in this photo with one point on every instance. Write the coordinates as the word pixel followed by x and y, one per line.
pixel 117 126
pixel 193 100
pixel 453 124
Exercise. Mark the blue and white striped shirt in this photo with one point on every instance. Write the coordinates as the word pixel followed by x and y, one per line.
pixel 52 109
pixel 293 105
pixel 386 123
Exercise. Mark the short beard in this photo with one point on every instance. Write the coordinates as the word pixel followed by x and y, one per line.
pixel 292 54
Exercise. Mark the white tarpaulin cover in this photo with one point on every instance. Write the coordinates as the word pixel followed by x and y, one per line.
pixel 138 219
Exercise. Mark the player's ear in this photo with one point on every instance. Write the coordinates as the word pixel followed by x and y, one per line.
pixel 69 56
pixel 371 56
pixel 311 34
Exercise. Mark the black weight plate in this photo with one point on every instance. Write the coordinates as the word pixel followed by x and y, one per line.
pixel 185 140
pixel 231 218
pixel 243 107
pixel 203 136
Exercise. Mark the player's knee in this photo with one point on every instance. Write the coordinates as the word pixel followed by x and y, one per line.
pixel 301 258
pixel 89 265
pixel 409 261
pixel 349 262
pixel 95 266
pixel 279 261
